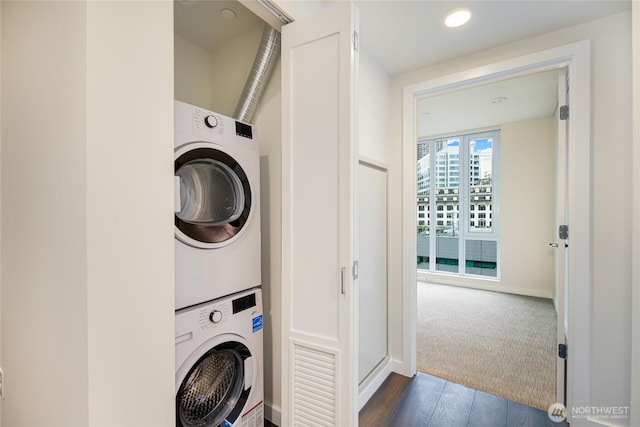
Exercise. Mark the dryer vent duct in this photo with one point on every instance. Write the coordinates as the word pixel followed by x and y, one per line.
pixel 262 66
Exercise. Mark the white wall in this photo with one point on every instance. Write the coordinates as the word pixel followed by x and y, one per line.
pixel 192 67
pixel 214 79
pixel 44 249
pixel 373 113
pixel 527 206
pixel 129 164
pixel 611 133
pixel 268 121
pixel 87 154
pixel 230 67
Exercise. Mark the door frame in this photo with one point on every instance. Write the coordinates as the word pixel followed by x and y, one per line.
pixel 576 57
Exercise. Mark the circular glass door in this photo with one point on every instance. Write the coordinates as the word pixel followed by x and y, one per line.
pixel 212 393
pixel 215 196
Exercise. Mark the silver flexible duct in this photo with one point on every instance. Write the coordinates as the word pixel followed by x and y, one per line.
pixel 262 66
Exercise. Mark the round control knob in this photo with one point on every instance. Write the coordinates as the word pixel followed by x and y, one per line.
pixel 211 121
pixel 215 316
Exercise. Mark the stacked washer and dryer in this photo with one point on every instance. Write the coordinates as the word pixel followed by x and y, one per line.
pixel 219 318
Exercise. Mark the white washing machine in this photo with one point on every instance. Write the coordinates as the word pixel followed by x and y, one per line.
pixel 217 212
pixel 219 363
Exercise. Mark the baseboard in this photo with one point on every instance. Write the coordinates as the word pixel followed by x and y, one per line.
pixel 272 413
pixel 401 368
pixel 374 382
pixel 485 285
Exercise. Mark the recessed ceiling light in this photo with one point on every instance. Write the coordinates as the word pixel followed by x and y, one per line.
pixel 457 18
pixel 228 14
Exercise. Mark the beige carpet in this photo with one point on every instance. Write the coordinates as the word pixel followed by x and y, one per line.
pixel 499 343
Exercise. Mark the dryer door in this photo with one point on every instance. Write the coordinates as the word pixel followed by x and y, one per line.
pixel 214 392
pixel 214 194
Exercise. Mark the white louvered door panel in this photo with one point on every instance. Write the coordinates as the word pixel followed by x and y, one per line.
pixel 314 386
pixel 319 64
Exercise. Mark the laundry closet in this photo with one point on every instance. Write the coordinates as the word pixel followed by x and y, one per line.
pixel 215 45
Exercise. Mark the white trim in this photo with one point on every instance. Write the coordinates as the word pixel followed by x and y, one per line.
pixel 577 57
pixel 364 160
pixel 460 133
pixel 483 285
pixel 409 227
pixel 373 383
pixel 272 413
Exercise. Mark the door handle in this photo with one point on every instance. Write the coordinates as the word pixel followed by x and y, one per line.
pixel 555 245
pixel 342 273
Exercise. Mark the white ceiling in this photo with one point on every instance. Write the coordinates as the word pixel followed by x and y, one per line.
pixel 403 35
pixel 200 21
pixel 406 35
pixel 522 98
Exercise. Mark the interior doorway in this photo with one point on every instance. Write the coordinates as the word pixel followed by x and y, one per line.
pixel 575 57
pixel 471 233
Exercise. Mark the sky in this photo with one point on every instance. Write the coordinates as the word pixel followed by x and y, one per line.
pixel 480 144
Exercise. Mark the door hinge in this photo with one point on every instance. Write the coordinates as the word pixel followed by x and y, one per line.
pixel 564 112
pixel 563 232
pixel 563 351
pixel 354 270
pixel 355 41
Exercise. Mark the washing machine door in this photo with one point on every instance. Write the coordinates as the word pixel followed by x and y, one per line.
pixel 215 196
pixel 213 392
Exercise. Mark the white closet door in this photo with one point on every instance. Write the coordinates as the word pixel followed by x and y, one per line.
pixel 319 344
pixel 372 286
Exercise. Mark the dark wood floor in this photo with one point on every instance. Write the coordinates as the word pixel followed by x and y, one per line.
pixel 425 400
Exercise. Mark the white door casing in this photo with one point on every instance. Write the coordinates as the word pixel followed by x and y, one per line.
pixel 319 162
pixel 576 57
pixel 561 247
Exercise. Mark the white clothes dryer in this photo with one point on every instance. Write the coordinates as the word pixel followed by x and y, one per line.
pixel 219 362
pixel 217 212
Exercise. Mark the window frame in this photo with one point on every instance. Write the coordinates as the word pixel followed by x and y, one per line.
pixel 465 199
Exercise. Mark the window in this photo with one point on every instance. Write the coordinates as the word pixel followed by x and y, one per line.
pixel 466 181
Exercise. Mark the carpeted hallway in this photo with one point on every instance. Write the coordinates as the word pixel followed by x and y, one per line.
pixel 499 343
